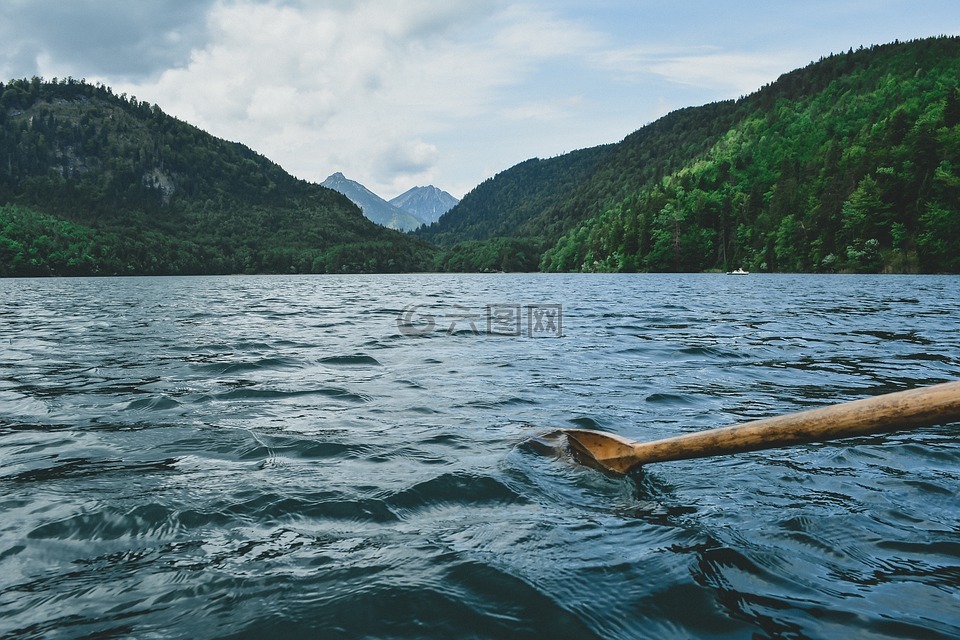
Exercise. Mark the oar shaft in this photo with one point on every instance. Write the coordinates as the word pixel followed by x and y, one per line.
pixel 891 412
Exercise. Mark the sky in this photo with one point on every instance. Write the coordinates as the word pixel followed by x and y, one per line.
pixel 403 93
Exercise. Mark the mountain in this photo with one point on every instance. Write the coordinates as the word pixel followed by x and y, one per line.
pixel 501 206
pixel 426 204
pixel 373 206
pixel 849 164
pixel 96 183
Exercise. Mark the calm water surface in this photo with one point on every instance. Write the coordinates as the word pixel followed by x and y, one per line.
pixel 251 457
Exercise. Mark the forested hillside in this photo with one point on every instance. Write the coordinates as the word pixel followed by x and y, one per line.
pixel 849 164
pixel 427 204
pixel 852 164
pixel 95 183
pixel 504 205
pixel 373 207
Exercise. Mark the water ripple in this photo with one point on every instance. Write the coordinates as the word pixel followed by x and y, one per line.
pixel 246 457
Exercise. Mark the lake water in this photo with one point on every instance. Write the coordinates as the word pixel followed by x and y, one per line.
pixel 252 457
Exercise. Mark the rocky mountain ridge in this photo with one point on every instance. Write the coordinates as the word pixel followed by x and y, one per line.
pixel 416 207
pixel 427 204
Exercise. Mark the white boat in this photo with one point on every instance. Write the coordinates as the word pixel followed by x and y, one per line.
pixel 738 272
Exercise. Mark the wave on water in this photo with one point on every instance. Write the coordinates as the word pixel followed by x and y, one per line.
pixel 267 456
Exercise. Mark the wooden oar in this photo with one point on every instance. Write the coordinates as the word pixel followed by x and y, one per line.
pixel 925 406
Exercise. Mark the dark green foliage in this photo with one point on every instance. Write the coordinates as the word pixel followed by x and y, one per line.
pixel 544 198
pixel 131 190
pixel 505 204
pixel 496 254
pixel 850 164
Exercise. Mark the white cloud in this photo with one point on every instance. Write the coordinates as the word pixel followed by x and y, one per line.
pixel 402 92
pixel 407 158
pixel 543 111
pixel 372 88
pixel 728 73
pixel 731 73
pixel 529 32
pixel 118 38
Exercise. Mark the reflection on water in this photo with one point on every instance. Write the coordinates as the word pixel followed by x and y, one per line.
pixel 275 456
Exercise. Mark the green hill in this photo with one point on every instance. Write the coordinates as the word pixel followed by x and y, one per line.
pixel 505 204
pixel 849 164
pixel 95 183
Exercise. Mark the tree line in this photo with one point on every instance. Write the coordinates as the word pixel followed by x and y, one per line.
pixel 848 164
pixel 96 183
pixel 861 176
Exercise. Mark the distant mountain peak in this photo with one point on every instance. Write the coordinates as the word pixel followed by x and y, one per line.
pixel 409 210
pixel 149 206
pixel 374 207
pixel 426 203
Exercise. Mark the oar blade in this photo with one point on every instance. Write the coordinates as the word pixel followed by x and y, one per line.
pixel 603 451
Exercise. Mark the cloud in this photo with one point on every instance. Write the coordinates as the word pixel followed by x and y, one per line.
pixel 390 92
pixel 533 33
pixel 373 88
pixel 545 111
pixel 728 73
pixel 398 91
pixel 116 38
pixel 409 158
